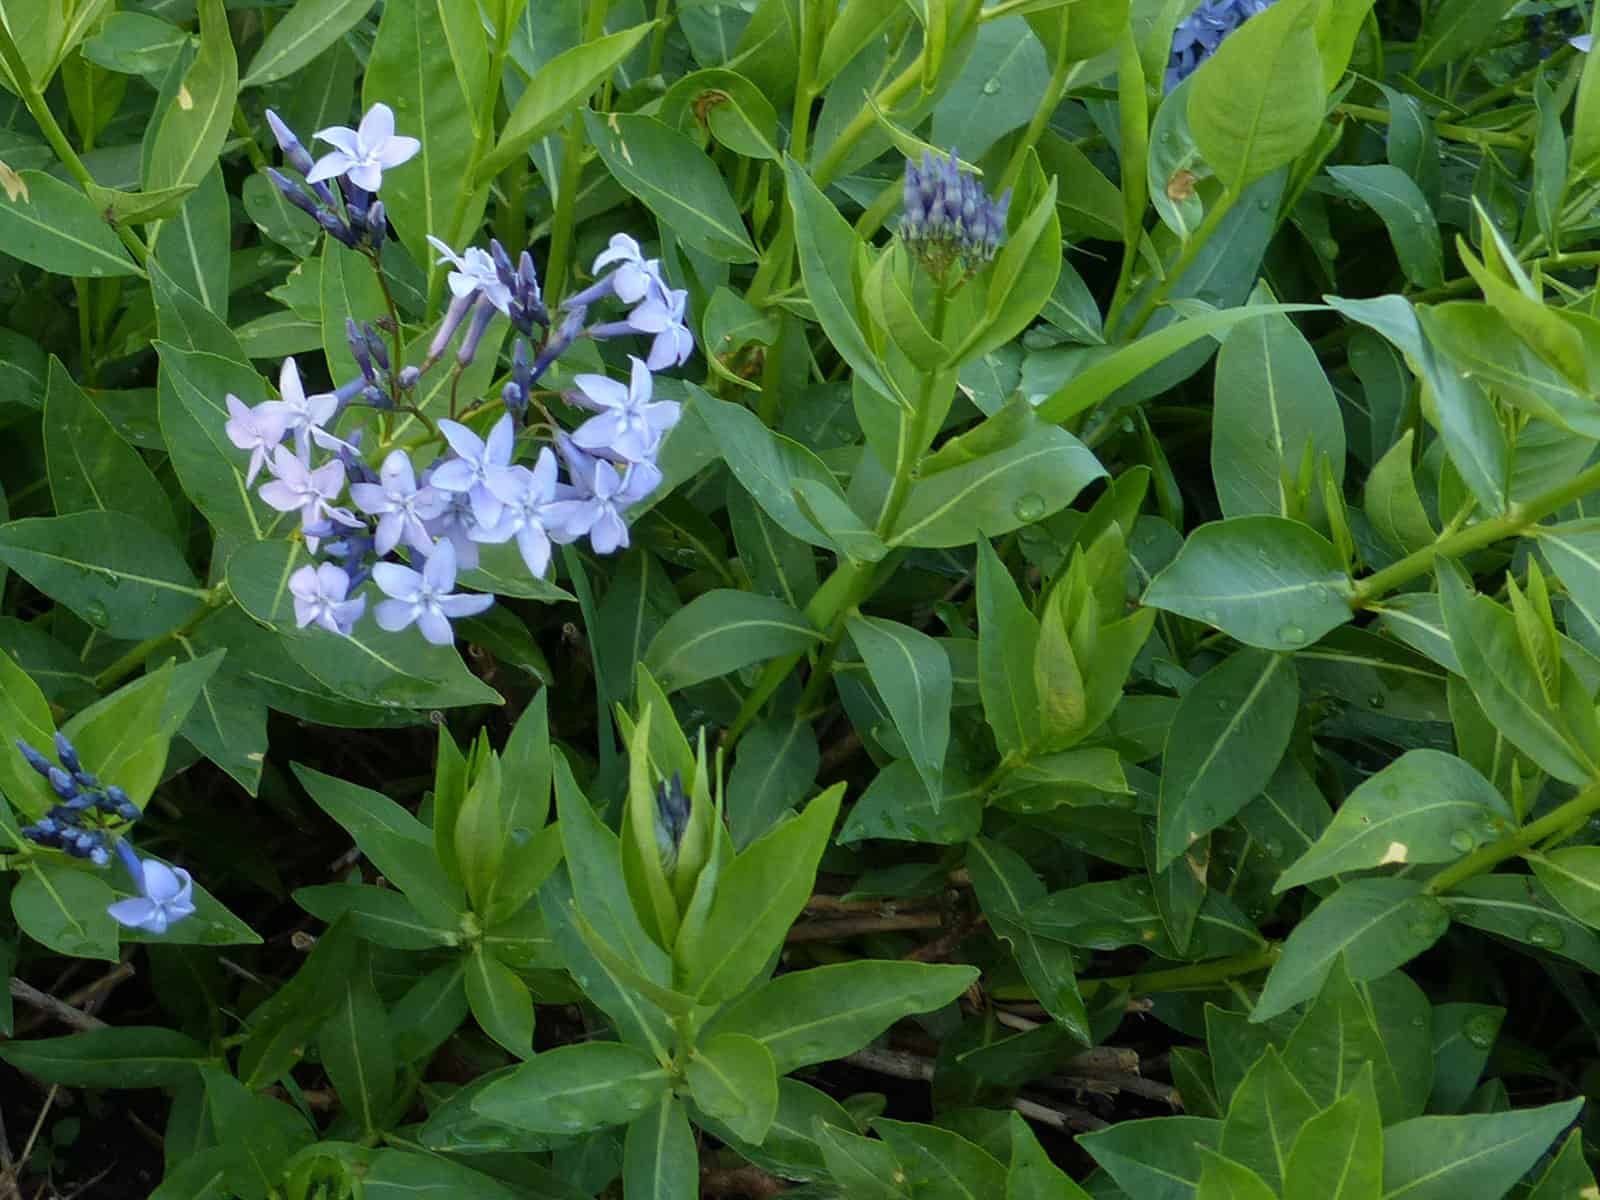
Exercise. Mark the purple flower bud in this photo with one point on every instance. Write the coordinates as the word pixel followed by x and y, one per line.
pixel 336 227
pixel 453 316
pixel 408 378
pixel 100 856
pixel 294 193
pixel 557 345
pixel 296 155
pixel 521 369
pixel 375 397
pixel 63 784
pixel 502 265
pixel 345 393
pixel 481 316
pixel 36 760
pixel 514 398
pixel 375 346
pixel 377 224
pixel 358 349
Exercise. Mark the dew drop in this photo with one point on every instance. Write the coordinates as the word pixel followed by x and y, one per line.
pixel 1291 635
pixel 1480 1031
pixel 1546 936
pixel 1029 507
pixel 1462 841
pixel 991 87
pixel 1273 847
pixel 1376 700
pixel 95 613
pixel 1209 615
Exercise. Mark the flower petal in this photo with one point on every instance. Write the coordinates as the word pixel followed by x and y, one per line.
pixel 394 615
pixel 138 913
pixel 377 126
pixel 395 580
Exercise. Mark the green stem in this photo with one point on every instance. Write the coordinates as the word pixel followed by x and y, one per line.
pixel 602 702
pixel 829 165
pixel 658 38
pixel 1454 133
pixel 33 97
pixel 1455 287
pixel 572 143
pixel 914 432
pixel 241 126
pixel 1514 521
pixel 1191 248
pixel 135 658
pixel 1573 812
pixel 1200 975
pixel 1060 80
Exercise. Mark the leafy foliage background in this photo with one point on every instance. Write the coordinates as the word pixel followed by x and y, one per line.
pixel 1131 701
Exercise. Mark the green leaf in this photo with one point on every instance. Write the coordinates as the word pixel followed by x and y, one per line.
pixel 1155 1159
pixel 1572 875
pixel 1518 907
pixel 370 666
pixel 52 225
pixel 64 909
pixel 1225 1179
pixel 1007 635
pixel 825 1013
pixel 1338 1154
pixel 1267 1112
pixel 305 31
pixel 865 1167
pixel 1509 687
pixel 1379 924
pixel 1272 400
pixel 116 572
pixel 1254 106
pixel 1448 1158
pixel 1405 212
pixel 1267 581
pixel 1463 1036
pixel 1425 807
pixel 1031 1175
pixel 659 1158
pixel 380 915
pixel 732 1077
pixel 89 464
pixel 281 1025
pixel 1228 736
pixel 191 402
pixel 1391 501
pixel 576 1089
pixel 911 672
pixel 828 250
pixel 947 1165
pixel 356 1049
pixel 1569 1174
pixel 1456 27
pixel 758 896
pixel 674 179
pixel 193 246
pixel 500 1002
pixel 115 1056
pixel 721 631
pixel 192 131
pixel 1007 891
pixel 556 89
pixel 775 768
pixel 412 69
pixel 1035 476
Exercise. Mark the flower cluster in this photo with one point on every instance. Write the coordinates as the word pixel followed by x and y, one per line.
pixel 84 823
pixel 473 491
pixel 1202 31
pixel 359 158
pixel 948 217
pixel 90 823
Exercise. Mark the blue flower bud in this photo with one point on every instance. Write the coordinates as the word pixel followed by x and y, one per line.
pixel 36 760
pixel 293 193
pixel 336 227
pixel 482 314
pixel 377 224
pixel 375 346
pixel 100 856
pixel 672 818
pixel 294 153
pixel 358 350
pixel 503 268
pixel 67 753
pixel 63 784
pixel 408 378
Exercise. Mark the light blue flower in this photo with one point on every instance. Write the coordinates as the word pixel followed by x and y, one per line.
pixel 258 430
pixel 480 468
pixel 399 504
pixel 305 416
pixel 424 597
pixel 630 425
pixel 1200 33
pixel 601 495
pixel 475 271
pixel 166 895
pixel 634 276
pixel 524 514
pixel 321 596
pixel 363 154
pixel 1584 42
pixel 313 492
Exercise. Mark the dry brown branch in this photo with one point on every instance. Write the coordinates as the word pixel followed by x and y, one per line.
pixel 849 927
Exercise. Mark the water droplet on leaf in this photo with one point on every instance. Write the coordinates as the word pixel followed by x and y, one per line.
pixel 1029 507
pixel 1462 841
pixel 1292 635
pixel 1547 936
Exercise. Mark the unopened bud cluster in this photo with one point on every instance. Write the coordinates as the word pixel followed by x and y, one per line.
pixel 1200 33
pixel 84 823
pixel 948 217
